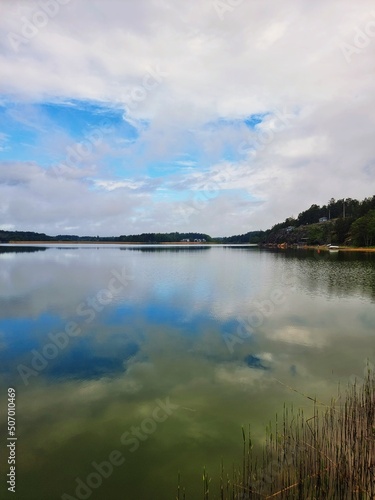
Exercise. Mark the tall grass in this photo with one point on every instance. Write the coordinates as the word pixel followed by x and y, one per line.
pixel 330 455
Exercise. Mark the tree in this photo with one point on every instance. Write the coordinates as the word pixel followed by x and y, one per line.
pixel 315 235
pixel 363 230
pixel 351 208
pixel 312 215
pixel 341 229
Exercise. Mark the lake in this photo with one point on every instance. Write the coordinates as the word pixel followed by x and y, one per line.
pixel 134 363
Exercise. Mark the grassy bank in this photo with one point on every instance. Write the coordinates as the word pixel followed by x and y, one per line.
pixel 357 249
pixel 341 248
pixel 330 455
pixel 94 242
pixel 320 248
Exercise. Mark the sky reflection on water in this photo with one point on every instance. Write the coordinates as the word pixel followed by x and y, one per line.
pixel 163 336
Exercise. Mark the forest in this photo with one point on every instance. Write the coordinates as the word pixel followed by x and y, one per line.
pixel 346 221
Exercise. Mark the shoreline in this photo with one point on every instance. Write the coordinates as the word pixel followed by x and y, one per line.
pixel 345 249
pixel 184 243
pixel 104 243
pixel 330 455
pixel 356 249
pixel 321 248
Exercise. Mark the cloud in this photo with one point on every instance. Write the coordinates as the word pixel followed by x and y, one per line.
pixel 300 336
pixel 179 83
pixel 3 141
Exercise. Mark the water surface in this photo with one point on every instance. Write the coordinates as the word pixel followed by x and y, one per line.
pixel 171 350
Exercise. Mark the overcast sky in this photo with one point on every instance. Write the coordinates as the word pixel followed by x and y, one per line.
pixel 218 116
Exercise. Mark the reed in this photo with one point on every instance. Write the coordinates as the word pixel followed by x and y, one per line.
pixel 330 455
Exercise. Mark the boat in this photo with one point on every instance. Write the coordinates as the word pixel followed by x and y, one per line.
pixel 333 248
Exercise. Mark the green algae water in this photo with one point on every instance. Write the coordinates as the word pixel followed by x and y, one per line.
pixel 133 364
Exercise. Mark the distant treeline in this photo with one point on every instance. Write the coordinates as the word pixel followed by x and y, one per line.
pixel 165 237
pixel 18 236
pixel 345 221
pixel 7 236
pixel 253 237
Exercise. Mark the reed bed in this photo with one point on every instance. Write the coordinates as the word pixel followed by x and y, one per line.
pixel 330 455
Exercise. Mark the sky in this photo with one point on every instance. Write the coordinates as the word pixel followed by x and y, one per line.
pixel 214 116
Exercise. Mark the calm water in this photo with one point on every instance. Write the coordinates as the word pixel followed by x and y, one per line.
pixel 153 358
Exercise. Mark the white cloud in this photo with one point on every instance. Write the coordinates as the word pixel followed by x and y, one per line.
pixel 299 336
pixel 175 68
pixel 111 185
pixel 3 141
pixel 272 33
pixel 305 147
